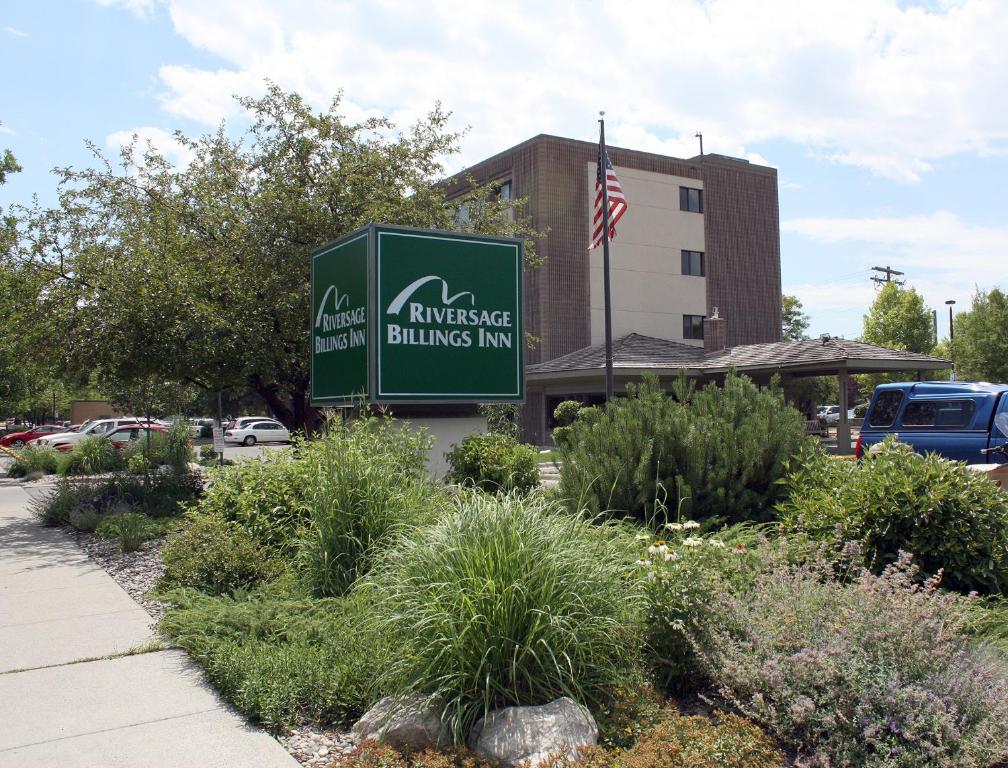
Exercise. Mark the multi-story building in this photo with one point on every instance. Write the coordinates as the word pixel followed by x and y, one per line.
pixel 700 234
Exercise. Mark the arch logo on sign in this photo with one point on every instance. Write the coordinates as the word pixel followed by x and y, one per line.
pixel 441 323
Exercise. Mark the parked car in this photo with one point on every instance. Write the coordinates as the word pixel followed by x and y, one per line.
pixel 262 431
pixel 955 419
pixel 242 421
pixel 830 414
pixel 19 439
pixel 98 427
pixel 127 433
pixel 201 427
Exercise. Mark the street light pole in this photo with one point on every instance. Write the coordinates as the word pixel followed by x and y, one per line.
pixel 950 302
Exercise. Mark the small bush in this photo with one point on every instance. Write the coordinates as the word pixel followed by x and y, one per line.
pixel 67 498
pixel 177 451
pixel 504 601
pixel 685 575
pixel 215 556
pixel 948 517
pixel 207 454
pixel 721 449
pixel 92 455
pixel 137 464
pixel 281 660
pixel 372 754
pixel 35 459
pixel 128 529
pixel 848 668
pixel 677 741
pixel 494 463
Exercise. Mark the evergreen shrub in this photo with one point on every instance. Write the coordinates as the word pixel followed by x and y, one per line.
pixel 950 518
pixel 720 451
pixel 506 600
pixel 494 462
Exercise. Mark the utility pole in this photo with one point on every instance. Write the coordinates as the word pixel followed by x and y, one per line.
pixel 888 272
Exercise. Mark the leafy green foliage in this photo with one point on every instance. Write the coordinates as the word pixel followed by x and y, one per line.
pixel 844 667
pixel 794 320
pixel 129 529
pixel 502 418
pixel 565 414
pixel 685 574
pixel 33 459
pixel 721 450
pixel 215 556
pixel 281 659
pixel 91 455
pixel 948 517
pixel 980 347
pixel 125 256
pixel 494 462
pixel 898 319
pixel 506 600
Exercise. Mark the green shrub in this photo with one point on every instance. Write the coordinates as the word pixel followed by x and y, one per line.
pixel 947 516
pixel 207 454
pixel 281 660
pixel 502 418
pixel 177 451
pixel 844 667
pixel 137 464
pixel 74 500
pixel 266 497
pixel 685 575
pixel 364 482
pixel 721 449
pixel 215 556
pixel 506 600
pixel 494 463
pixel 91 455
pixel 565 414
pixel 129 529
pixel 34 459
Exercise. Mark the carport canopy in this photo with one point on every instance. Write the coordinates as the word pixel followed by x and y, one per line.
pixel 636 355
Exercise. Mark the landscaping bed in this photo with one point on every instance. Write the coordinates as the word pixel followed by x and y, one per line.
pixel 694 606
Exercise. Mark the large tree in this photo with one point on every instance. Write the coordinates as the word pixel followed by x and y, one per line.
pixel 899 319
pixel 794 321
pixel 980 347
pixel 200 274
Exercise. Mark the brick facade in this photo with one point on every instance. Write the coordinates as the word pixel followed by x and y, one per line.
pixel 741 231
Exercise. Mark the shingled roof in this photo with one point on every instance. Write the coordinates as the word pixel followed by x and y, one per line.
pixel 636 353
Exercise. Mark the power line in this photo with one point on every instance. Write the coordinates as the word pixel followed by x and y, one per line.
pixel 888 272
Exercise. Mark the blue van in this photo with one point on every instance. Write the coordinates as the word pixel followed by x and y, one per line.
pixel 959 420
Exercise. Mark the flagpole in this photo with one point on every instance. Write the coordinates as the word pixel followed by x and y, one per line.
pixel 605 260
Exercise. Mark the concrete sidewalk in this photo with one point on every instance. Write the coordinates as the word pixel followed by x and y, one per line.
pixel 58 610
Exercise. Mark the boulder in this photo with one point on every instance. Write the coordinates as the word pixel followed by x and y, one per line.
pixel 403 721
pixel 529 735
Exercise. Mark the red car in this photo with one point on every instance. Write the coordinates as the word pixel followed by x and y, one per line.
pixel 19 439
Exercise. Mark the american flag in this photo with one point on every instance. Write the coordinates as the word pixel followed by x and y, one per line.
pixel 617 202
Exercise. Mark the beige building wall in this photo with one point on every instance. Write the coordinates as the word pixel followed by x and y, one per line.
pixel 649 292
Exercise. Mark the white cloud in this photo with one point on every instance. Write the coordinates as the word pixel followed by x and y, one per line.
pixel 869 83
pixel 942 256
pixel 140 8
pixel 161 140
pixel 16 32
pixel 8 131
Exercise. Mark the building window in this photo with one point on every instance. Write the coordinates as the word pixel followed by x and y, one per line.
pixel 692 263
pixel 690 200
pixel 502 189
pixel 692 327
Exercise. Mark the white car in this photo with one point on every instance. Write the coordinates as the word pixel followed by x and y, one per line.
pixel 95 428
pixel 262 431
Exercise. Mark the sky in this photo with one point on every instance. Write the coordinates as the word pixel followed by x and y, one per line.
pixel 887 121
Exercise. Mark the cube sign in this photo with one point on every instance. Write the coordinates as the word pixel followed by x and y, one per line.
pixel 417 316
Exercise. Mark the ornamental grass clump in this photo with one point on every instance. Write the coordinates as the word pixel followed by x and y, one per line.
pixel 506 600
pixel 846 667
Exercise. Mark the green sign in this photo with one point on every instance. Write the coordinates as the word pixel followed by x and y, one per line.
pixel 339 318
pixel 443 321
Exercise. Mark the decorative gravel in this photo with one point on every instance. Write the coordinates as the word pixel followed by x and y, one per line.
pixel 136 572
pixel 313 746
